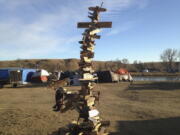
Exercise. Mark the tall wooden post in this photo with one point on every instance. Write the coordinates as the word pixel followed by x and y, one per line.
pixel 90 122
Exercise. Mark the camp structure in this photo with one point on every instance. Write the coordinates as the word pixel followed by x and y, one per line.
pixel 4 77
pixel 107 76
pixel 73 77
pixel 15 76
pixel 122 71
pixel 124 75
pixel 74 80
pixel 89 121
pixel 40 76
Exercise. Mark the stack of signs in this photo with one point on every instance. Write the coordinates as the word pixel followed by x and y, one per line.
pixel 89 122
pixel 87 109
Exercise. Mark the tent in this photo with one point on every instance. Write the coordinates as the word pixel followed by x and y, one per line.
pixel 107 76
pixel 40 76
pixel 16 75
pixel 122 71
pixel 125 77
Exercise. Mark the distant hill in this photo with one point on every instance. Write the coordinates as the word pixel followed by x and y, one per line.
pixel 72 65
pixel 48 64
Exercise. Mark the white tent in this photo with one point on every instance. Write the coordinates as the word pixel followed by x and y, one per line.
pixel 41 72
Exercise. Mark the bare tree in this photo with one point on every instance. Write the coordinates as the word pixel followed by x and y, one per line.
pixel 125 61
pixel 179 61
pixel 118 63
pixel 168 57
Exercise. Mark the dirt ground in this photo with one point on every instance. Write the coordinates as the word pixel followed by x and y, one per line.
pixel 133 109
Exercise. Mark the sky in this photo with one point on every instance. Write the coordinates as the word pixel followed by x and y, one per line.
pixel 47 29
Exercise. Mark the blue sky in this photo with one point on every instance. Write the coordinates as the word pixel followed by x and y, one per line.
pixel 141 30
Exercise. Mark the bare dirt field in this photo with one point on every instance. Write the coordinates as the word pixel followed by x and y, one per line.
pixel 137 109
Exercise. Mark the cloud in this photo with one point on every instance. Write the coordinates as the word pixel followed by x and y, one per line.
pixel 124 4
pixel 44 28
pixel 114 32
pixel 43 36
pixel 123 28
pixel 31 41
pixel 116 7
pixel 26 42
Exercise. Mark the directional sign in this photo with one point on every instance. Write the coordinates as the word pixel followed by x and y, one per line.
pixel 99 9
pixel 98 25
pixel 95 31
pixel 93 36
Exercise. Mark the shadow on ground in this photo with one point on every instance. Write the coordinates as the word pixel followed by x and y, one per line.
pixel 37 85
pixel 34 85
pixel 167 126
pixel 155 86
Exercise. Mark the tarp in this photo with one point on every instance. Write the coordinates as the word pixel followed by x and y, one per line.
pixel 75 80
pixel 25 72
pixel 122 71
pixel 4 77
pixel 41 72
pixel 107 76
pixel 4 74
pixel 125 77
pixel 40 76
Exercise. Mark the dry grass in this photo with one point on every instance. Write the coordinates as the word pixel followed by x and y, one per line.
pixel 137 109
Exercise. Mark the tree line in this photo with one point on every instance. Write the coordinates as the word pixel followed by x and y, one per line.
pixel 169 63
pixel 169 57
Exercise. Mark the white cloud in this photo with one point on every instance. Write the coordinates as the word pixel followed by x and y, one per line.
pixel 48 32
pixel 122 28
pixel 43 37
pixel 114 31
pixel 26 41
pixel 122 4
pixel 31 40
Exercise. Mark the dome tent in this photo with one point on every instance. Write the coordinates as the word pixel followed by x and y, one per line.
pixel 122 71
pixel 40 76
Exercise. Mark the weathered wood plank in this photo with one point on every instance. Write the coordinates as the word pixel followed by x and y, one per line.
pixel 97 9
pixel 98 25
pixel 95 31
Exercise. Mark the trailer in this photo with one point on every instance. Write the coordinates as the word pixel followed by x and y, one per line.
pixel 15 76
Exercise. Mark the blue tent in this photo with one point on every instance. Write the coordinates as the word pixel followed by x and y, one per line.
pixel 26 74
pixel 4 74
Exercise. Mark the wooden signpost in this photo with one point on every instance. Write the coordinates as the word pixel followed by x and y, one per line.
pixel 88 112
pixel 97 25
pixel 89 121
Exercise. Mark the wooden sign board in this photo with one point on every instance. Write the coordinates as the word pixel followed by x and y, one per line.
pixel 95 31
pixel 99 9
pixel 98 25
